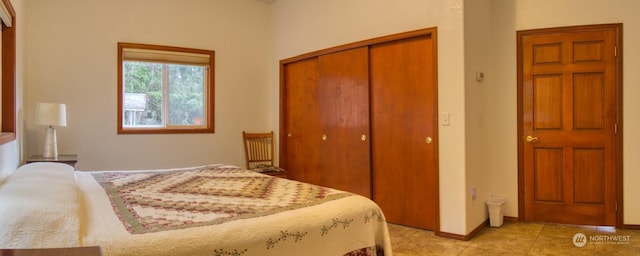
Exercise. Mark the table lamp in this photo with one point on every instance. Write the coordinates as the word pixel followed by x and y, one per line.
pixel 51 114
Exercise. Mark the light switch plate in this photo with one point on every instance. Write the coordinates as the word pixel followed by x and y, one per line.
pixel 446 119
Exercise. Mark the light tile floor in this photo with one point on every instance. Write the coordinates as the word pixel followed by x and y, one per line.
pixel 516 238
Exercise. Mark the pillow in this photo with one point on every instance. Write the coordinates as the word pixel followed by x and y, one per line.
pixel 40 207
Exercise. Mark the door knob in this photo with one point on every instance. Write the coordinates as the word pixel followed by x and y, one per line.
pixel 531 139
pixel 428 140
pixel 363 137
pixel 324 137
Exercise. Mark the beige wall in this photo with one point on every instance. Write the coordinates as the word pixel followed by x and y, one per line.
pixel 308 25
pixel 71 59
pixel 484 128
pixel 509 16
pixel 478 59
pixel 494 117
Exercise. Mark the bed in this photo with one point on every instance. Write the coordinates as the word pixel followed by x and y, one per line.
pixel 218 210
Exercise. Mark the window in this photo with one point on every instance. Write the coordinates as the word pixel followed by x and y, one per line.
pixel 164 89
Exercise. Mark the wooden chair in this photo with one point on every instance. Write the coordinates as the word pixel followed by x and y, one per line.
pixel 258 151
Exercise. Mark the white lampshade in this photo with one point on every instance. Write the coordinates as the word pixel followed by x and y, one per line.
pixel 51 114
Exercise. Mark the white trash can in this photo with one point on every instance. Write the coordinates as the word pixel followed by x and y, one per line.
pixel 496 210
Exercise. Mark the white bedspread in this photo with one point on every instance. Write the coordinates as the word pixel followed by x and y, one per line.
pixel 333 227
pixel 39 208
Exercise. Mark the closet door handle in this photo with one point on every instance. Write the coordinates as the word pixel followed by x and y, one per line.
pixel 324 137
pixel 363 137
pixel 428 139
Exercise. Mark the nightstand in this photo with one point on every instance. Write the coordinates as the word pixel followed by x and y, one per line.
pixel 66 159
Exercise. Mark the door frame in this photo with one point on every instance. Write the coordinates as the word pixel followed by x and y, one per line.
pixel 618 148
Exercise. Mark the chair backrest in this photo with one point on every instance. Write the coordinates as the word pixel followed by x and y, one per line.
pixel 258 149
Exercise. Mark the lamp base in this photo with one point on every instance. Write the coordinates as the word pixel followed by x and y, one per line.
pixel 50 143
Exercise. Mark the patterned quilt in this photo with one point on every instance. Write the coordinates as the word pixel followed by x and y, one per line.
pixel 159 201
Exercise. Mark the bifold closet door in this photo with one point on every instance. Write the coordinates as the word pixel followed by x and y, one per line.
pixel 326 113
pixel 404 130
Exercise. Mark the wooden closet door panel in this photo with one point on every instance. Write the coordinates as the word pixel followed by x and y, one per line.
pixel 403 115
pixel 343 100
pixel 302 121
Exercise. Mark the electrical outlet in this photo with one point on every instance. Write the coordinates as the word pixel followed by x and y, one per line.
pixel 474 194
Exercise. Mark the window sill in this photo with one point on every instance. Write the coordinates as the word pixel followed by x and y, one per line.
pixel 165 131
pixel 6 137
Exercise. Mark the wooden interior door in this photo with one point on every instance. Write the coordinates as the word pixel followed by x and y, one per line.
pixel 569 124
pixel 404 130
